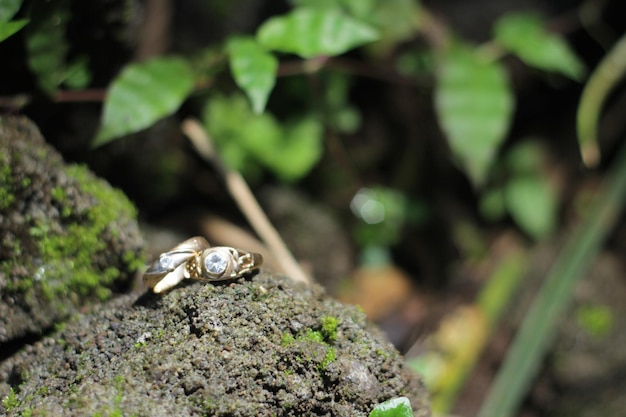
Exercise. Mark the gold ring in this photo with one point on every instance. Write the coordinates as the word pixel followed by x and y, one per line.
pixel 196 259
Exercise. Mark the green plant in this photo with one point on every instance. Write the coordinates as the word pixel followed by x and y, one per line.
pixel 8 27
pixel 522 191
pixel 396 407
pixel 11 401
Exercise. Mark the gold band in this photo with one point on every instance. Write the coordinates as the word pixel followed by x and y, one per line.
pixel 196 259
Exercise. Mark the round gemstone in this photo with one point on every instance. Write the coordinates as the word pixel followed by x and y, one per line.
pixel 216 262
pixel 166 262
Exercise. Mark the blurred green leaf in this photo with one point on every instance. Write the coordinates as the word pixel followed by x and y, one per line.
pixel 597 320
pixel 8 9
pixel 47 47
pixel 142 94
pixel 526 157
pixel 247 140
pixel 525 35
pixel 302 149
pixel 394 19
pixel 357 8
pixel 397 20
pixel 474 104
pixel 532 204
pixel 601 82
pixel 254 70
pixel 396 407
pixel 492 206
pixel 360 8
pixel 384 214
pixel 311 32
pixel 322 4
pixel 77 74
pixel 7 29
pixel 341 114
pixel 537 331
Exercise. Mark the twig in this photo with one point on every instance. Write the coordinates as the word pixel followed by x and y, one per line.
pixel 244 198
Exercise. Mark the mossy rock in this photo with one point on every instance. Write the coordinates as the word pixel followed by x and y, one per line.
pixel 68 238
pixel 263 346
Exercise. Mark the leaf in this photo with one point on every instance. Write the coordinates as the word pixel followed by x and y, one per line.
pixel 302 149
pixel 524 35
pixel 310 32
pixel 8 9
pixel 492 205
pixel 532 204
pixel 47 47
pixel 247 141
pixel 397 20
pixel 526 157
pixel 142 94
pixel 474 104
pixel 601 82
pixel 538 329
pixel 7 29
pixel 77 74
pixel 396 407
pixel 254 70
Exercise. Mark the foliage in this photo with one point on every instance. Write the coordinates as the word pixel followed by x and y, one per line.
pixel 384 212
pixel 254 70
pixel 597 320
pixel 602 82
pixel 317 31
pixel 525 35
pixel 48 49
pixel 475 106
pixel 396 407
pixel 248 141
pixel 473 99
pixel 525 194
pixel 281 98
pixel 8 27
pixel 143 93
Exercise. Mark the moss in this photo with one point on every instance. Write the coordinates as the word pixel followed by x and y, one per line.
pixel 60 197
pixel 383 353
pixel 596 320
pixel 119 383
pixel 287 339
pixel 73 250
pixel 329 328
pixel 312 355
pixel 329 357
pixel 314 336
pixel 43 390
pixel 6 194
pixel 10 402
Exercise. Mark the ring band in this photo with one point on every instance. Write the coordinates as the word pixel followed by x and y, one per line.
pixel 222 263
pixel 196 259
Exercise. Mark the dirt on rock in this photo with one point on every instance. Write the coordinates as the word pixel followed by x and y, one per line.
pixel 254 347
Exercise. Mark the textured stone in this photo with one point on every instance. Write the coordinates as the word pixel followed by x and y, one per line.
pixel 66 237
pixel 255 347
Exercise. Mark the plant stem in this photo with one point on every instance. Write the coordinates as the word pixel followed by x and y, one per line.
pixel 244 198
pixel 538 328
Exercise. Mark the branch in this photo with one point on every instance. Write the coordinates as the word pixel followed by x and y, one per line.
pixel 244 198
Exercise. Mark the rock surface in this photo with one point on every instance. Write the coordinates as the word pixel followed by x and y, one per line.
pixel 254 347
pixel 67 238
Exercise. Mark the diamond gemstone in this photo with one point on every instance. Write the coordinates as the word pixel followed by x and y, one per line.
pixel 216 262
pixel 166 262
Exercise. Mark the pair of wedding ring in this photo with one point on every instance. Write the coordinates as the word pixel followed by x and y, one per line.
pixel 196 259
